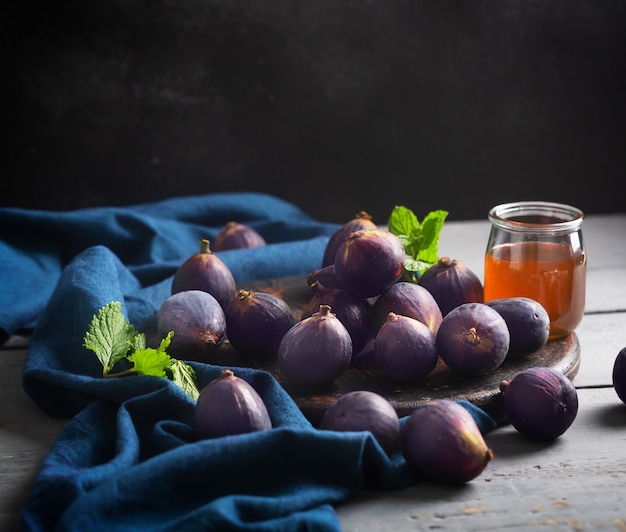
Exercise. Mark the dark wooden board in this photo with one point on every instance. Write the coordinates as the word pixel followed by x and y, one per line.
pixel 562 354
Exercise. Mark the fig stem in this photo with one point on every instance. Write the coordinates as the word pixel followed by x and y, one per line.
pixel 205 246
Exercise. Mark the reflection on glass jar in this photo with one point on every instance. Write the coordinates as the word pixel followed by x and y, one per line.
pixel 536 250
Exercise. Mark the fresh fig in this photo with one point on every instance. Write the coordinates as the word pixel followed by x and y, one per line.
pixel 236 235
pixel 405 349
pixel 229 405
pixel 473 339
pixel 352 311
pixel 197 320
pixel 407 299
pixel 363 410
pixel 256 323
pixel 441 441
pixel 528 322
pixel 369 261
pixel 362 220
pixel 315 351
pixel 325 276
pixel 452 284
pixel 619 375
pixel 540 402
pixel 205 271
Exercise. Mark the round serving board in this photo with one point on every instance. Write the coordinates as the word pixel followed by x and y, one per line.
pixel 562 354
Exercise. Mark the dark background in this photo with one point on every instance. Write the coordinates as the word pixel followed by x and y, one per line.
pixel 334 105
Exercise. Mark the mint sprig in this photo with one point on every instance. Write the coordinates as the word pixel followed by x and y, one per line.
pixel 420 240
pixel 113 340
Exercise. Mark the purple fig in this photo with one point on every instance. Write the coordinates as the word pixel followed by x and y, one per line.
pixel 369 261
pixel 452 284
pixel 407 299
pixel 528 322
pixel 619 375
pixel 441 442
pixel 256 323
pixel 352 311
pixel 197 321
pixel 236 235
pixel 540 402
pixel 405 349
pixel 229 405
pixel 363 410
pixel 473 339
pixel 315 351
pixel 362 220
pixel 205 271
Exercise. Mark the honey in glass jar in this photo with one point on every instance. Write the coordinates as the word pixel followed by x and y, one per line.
pixel 536 250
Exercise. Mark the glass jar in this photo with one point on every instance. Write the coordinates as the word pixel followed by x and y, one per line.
pixel 536 250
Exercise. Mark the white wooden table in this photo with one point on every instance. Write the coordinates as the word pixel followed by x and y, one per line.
pixel 575 483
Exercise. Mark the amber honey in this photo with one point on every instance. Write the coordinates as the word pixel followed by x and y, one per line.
pixel 535 250
pixel 546 272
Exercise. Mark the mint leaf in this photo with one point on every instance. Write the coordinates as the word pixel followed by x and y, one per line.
pixel 431 229
pixel 402 221
pixel 185 376
pixel 421 242
pixel 109 335
pixel 112 339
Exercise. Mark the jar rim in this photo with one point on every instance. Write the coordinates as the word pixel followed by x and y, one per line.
pixel 562 218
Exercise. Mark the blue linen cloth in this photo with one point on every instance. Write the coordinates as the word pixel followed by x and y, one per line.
pixel 129 457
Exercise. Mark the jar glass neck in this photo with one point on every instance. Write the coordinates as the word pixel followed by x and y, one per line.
pixel 536 217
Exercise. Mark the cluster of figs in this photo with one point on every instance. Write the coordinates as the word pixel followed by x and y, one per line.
pixel 362 313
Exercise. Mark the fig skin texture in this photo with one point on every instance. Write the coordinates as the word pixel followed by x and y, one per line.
pixel 406 349
pixel 452 284
pixel 197 320
pixel 528 323
pixel 229 405
pixel 441 442
pixel 540 403
pixel 236 235
pixel 473 339
pixel 407 299
pixel 362 220
pixel 206 271
pixel 256 323
pixel 364 410
pixel 619 375
pixel 315 351
pixel 369 261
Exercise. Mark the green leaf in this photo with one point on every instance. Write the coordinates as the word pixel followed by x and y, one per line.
pixel 150 361
pixel 421 242
pixel 109 335
pixel 402 221
pixel 431 229
pixel 185 376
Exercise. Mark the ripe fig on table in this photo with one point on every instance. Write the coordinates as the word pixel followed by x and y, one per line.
pixel 363 410
pixel 362 220
pixel 205 271
pixel 229 405
pixel 528 322
pixel 441 441
pixel 540 402
pixel 452 284
pixel 473 339
pixel 619 375
pixel 235 235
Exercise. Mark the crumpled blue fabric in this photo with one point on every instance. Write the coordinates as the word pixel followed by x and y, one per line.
pixel 129 457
